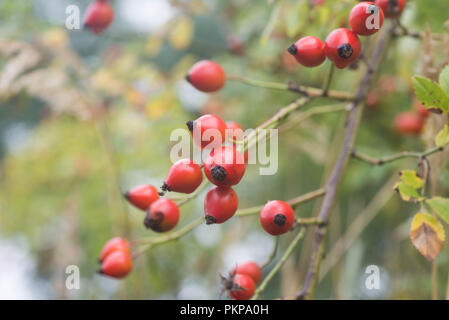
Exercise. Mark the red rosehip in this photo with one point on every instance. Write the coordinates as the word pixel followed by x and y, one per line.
pixel 184 176
pixel 162 216
pixel 277 217
pixel 99 15
pixel 250 269
pixel 387 83
pixel 243 287
pixel 236 130
pixel 206 76
pixel 225 166
pixel 421 110
pixel 117 264
pixel 142 196
pixel 408 123
pixel 235 45
pixel 308 51
pixel 208 131
pixel 391 8
pixel 372 99
pixel 114 244
pixel 342 47
pixel 366 18
pixel 220 205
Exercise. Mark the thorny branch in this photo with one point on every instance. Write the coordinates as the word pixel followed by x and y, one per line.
pixel 339 168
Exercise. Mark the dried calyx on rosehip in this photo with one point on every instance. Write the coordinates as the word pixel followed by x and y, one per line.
pixel 162 216
pixel 238 286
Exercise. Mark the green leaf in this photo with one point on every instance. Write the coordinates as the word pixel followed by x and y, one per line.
pixel 444 79
pixel 442 137
pixel 441 207
pixel 430 94
pixel 407 192
pixel 411 178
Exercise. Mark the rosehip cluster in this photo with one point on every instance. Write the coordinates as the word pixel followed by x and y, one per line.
pixel 224 167
pixel 342 46
pixel 242 280
pixel 115 258
pixel 99 16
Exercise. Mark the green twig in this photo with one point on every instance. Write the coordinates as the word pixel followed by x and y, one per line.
pixel 293 87
pixel 398 156
pixel 273 253
pixel 279 264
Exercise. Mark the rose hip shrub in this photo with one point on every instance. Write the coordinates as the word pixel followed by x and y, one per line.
pixel 100 129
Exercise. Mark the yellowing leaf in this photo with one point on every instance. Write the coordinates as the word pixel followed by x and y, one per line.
pixel 56 38
pixel 444 79
pixel 134 97
pixel 162 104
pixel 411 178
pixel 441 207
pixel 442 137
pixel 427 235
pixel 105 80
pixel 182 33
pixel 407 192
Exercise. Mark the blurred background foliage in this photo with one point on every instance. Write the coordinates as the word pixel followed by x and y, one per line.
pixel 84 117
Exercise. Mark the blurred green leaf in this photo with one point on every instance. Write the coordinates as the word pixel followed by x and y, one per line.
pixel 295 21
pixel 407 192
pixel 444 79
pixel 442 137
pixel 430 94
pixel 441 207
pixel 411 178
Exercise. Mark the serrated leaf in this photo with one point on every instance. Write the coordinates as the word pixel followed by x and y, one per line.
pixel 427 235
pixel 407 192
pixel 440 206
pixel 430 94
pixel 442 137
pixel 411 178
pixel 444 79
